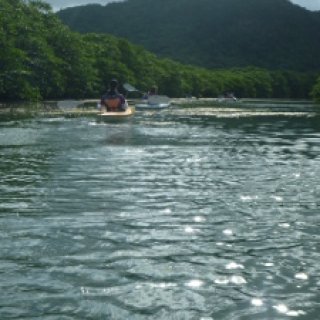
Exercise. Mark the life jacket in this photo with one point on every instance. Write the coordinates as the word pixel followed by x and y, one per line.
pixel 112 104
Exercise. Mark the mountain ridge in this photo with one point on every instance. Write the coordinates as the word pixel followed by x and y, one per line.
pixel 273 34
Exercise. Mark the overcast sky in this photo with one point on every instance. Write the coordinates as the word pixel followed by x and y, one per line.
pixel 59 4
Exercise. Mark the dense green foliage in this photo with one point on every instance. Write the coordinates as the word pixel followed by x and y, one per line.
pixel 40 58
pixel 271 34
pixel 316 91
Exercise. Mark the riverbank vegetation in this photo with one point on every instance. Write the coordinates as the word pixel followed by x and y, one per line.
pixel 316 91
pixel 41 58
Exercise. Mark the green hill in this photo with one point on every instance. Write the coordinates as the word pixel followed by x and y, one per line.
pixel 273 34
pixel 41 58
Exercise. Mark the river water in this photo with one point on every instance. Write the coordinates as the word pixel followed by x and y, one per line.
pixel 179 214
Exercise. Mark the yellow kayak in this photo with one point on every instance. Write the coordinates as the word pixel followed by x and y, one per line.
pixel 110 115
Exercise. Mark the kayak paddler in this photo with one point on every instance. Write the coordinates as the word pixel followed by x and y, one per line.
pixel 113 101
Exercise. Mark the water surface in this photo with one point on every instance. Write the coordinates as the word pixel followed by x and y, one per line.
pixel 179 214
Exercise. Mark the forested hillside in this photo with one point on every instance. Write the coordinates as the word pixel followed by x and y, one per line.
pixel 41 58
pixel 272 34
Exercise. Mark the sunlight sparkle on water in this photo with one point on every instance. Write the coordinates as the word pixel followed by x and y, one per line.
pixel 199 219
pixel 233 279
pixel 228 232
pixel 233 266
pixel 284 225
pixel 295 313
pixel 223 280
pixel 269 264
pixel 301 276
pixel 282 308
pixel 277 198
pixel 189 230
pixel 248 198
pixel 163 285
pixel 194 283
pixel 238 280
pixel 256 302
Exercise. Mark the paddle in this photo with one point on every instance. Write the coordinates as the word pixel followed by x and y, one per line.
pixel 154 99
pixel 69 104
pixel 128 87
pixel 66 105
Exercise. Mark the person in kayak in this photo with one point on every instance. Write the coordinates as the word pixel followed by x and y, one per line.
pixel 113 101
pixel 152 92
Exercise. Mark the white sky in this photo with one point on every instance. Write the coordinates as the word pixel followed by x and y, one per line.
pixel 309 4
pixel 59 4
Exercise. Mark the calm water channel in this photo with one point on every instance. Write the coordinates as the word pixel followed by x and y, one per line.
pixel 179 214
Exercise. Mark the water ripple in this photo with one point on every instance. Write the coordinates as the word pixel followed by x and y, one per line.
pixel 180 215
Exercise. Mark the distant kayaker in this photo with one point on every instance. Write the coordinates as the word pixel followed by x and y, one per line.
pixel 153 91
pixel 113 101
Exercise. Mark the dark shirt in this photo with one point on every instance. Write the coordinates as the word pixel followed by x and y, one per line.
pixel 114 101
